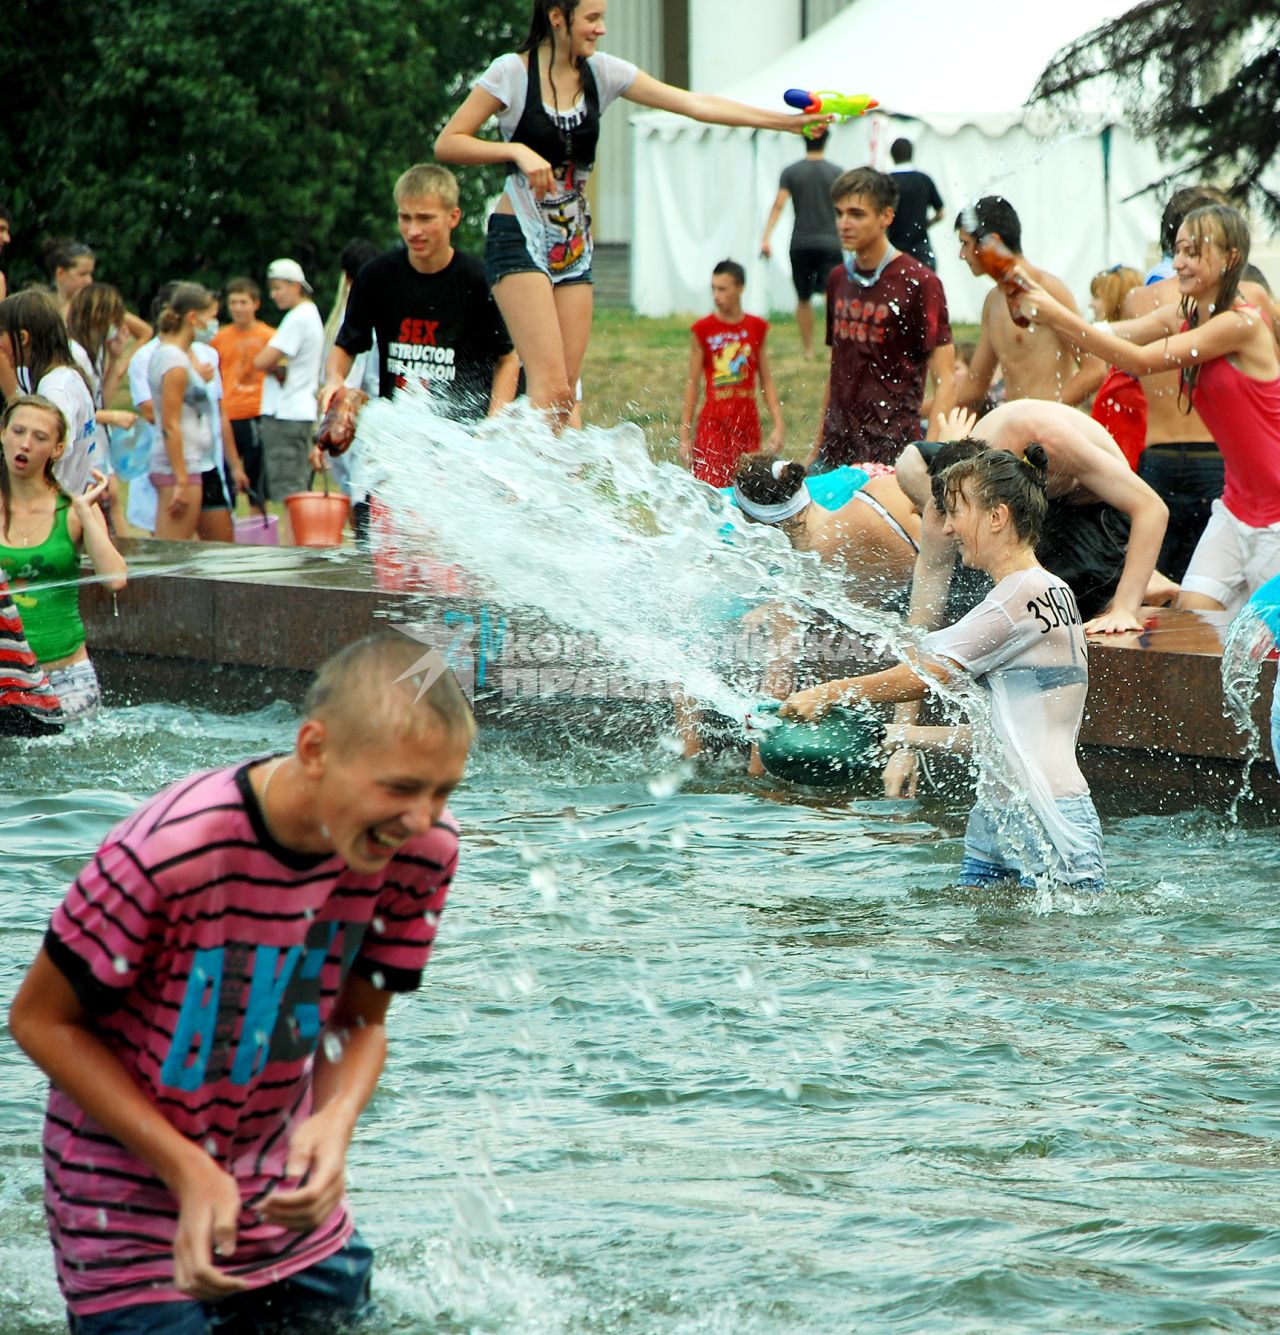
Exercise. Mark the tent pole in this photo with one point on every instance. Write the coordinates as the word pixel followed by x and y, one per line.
pixel 1106 193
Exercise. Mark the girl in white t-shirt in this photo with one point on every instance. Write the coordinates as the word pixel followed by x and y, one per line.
pixel 36 358
pixel 548 98
pixel 102 344
pixel 186 459
pixel 1024 645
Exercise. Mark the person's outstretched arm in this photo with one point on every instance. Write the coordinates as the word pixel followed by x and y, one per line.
pixel 711 109
pixel 1111 480
pixel 892 686
pixel 1153 348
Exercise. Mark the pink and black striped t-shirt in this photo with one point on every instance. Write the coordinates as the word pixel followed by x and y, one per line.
pixel 211 957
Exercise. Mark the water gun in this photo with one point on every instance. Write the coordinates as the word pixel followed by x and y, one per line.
pixel 841 105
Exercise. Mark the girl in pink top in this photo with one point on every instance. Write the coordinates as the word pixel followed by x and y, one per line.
pixel 1227 355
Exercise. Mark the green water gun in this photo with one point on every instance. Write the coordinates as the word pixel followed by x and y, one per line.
pixel 844 106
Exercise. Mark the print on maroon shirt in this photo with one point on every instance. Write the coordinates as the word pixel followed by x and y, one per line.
pixel 881 338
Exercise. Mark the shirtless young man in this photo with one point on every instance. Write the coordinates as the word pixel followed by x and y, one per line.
pixel 1037 363
pixel 1089 480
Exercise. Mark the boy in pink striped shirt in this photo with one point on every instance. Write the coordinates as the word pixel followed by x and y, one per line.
pixel 210 1007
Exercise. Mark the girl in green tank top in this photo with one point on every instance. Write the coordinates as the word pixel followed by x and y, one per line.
pixel 42 534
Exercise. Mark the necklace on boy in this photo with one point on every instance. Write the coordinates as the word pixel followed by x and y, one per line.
pixel 869 280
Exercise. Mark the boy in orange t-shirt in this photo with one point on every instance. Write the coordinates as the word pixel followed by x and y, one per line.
pixel 237 344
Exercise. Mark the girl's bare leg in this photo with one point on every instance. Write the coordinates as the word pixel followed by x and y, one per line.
pixel 216 526
pixel 529 308
pixel 180 528
pixel 574 305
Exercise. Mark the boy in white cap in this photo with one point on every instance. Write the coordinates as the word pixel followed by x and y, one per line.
pixel 289 392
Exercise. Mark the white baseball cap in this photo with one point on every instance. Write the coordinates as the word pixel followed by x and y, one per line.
pixel 290 271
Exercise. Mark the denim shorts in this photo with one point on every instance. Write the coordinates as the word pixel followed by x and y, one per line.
pixel 77 689
pixel 506 252
pixel 332 1295
pixel 1012 846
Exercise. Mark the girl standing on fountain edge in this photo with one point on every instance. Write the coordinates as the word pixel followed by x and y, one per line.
pixel 549 97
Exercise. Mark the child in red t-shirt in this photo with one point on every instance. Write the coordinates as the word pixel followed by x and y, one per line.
pixel 728 355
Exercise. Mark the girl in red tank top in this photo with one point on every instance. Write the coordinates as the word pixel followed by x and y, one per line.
pixel 1226 352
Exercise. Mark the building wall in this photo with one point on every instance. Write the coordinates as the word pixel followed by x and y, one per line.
pixel 636 31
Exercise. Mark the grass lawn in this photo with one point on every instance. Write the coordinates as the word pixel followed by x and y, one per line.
pixel 636 367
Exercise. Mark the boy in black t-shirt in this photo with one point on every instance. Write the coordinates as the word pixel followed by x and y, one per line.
pixel 919 207
pixel 430 308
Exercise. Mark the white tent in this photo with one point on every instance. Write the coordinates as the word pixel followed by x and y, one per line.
pixel 953 78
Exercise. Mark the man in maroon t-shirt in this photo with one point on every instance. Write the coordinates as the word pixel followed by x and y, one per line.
pixel 886 324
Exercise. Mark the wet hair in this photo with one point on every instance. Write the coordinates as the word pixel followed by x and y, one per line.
pixel 365 692
pixel 943 455
pixel 10 408
pixel 767 479
pixel 1000 477
pixel 61 252
pixel 1227 229
pixel 992 213
pixel 36 314
pixel 1111 286
pixel 879 188
pixel 900 150
pixel 426 178
pixel 244 287
pixel 92 312
pixel 733 269
pixel 540 29
pixel 1181 202
pixel 355 255
pixel 183 299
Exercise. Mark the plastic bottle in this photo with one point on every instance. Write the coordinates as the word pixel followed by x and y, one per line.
pixel 998 262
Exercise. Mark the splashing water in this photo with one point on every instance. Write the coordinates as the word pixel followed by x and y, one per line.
pixel 1249 640
pixel 650 565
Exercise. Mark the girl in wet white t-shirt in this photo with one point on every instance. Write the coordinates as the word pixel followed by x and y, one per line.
pixel 1024 646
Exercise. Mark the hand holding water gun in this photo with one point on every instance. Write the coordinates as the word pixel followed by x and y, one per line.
pixel 843 106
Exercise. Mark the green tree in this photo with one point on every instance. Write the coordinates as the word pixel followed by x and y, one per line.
pixel 200 139
pixel 1200 76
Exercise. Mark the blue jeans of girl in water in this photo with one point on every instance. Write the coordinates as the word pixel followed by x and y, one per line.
pixel 332 1295
pixel 1011 845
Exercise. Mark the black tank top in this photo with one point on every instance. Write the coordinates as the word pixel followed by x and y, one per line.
pixel 561 147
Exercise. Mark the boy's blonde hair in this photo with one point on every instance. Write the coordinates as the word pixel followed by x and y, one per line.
pixel 427 179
